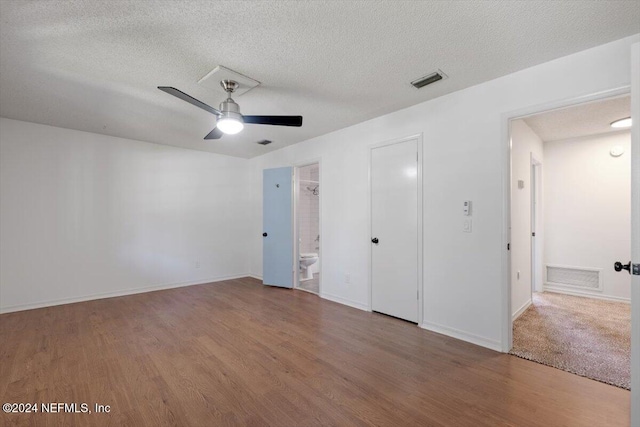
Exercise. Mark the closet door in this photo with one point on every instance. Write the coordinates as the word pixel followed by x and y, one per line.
pixel 394 229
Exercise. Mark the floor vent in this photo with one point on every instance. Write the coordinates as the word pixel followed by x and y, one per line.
pixel 589 279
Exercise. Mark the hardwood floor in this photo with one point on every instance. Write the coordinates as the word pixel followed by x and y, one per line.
pixel 237 353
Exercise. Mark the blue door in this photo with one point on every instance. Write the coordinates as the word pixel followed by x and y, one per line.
pixel 277 231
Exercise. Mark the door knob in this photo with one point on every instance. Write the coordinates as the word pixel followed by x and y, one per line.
pixel 375 240
pixel 618 266
pixel 264 234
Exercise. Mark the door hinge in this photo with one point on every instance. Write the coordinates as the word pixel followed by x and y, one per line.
pixel 508 246
pixel 533 234
pixel 417 294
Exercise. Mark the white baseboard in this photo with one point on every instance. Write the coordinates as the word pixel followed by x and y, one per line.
pixel 119 293
pixel 521 310
pixel 585 294
pixel 344 301
pixel 462 335
pixel 254 276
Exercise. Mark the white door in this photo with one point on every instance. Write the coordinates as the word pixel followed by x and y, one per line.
pixel 635 235
pixel 394 230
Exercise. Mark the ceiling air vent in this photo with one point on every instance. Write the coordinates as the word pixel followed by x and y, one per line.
pixel 264 142
pixel 428 79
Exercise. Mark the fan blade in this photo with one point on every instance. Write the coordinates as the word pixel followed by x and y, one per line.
pixel 190 99
pixel 214 134
pixel 274 120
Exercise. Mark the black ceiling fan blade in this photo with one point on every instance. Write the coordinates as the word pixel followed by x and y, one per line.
pixel 214 134
pixel 190 99
pixel 274 120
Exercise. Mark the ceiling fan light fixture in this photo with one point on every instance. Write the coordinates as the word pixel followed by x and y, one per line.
pixel 229 120
pixel 622 123
pixel 230 125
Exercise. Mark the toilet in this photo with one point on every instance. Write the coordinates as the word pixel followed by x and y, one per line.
pixel 306 265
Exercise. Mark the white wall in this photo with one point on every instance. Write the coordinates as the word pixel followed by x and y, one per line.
pixel 84 215
pixel 464 158
pixel 524 143
pixel 587 210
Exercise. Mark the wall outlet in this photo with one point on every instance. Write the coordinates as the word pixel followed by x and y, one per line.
pixel 197 264
pixel 347 278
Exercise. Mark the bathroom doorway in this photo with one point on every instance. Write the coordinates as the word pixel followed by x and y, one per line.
pixel 307 220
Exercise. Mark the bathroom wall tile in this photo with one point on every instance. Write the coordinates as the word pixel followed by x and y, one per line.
pixel 309 209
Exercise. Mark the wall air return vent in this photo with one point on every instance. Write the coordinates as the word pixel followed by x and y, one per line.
pixel 573 278
pixel 264 142
pixel 428 79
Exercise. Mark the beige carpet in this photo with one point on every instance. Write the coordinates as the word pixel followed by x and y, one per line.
pixel 585 336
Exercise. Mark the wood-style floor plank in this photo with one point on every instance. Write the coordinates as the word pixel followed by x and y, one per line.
pixel 237 353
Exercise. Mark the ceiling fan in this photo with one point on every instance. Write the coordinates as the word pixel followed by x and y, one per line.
pixel 229 120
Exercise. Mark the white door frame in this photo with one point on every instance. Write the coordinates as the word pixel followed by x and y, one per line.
pixel 635 234
pixel 507 331
pixel 417 137
pixel 296 226
pixel 536 185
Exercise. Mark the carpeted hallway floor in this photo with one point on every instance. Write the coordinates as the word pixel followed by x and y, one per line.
pixel 585 336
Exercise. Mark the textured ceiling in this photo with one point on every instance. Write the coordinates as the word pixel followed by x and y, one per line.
pixel 593 118
pixel 95 65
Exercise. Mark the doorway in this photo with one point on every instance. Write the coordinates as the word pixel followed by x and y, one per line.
pixel 307 220
pixel 570 215
pixel 396 228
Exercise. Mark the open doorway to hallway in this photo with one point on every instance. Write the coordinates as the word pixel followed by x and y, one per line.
pixel 307 208
pixel 570 221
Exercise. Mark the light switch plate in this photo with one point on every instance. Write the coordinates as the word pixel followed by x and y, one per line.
pixel 466 208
